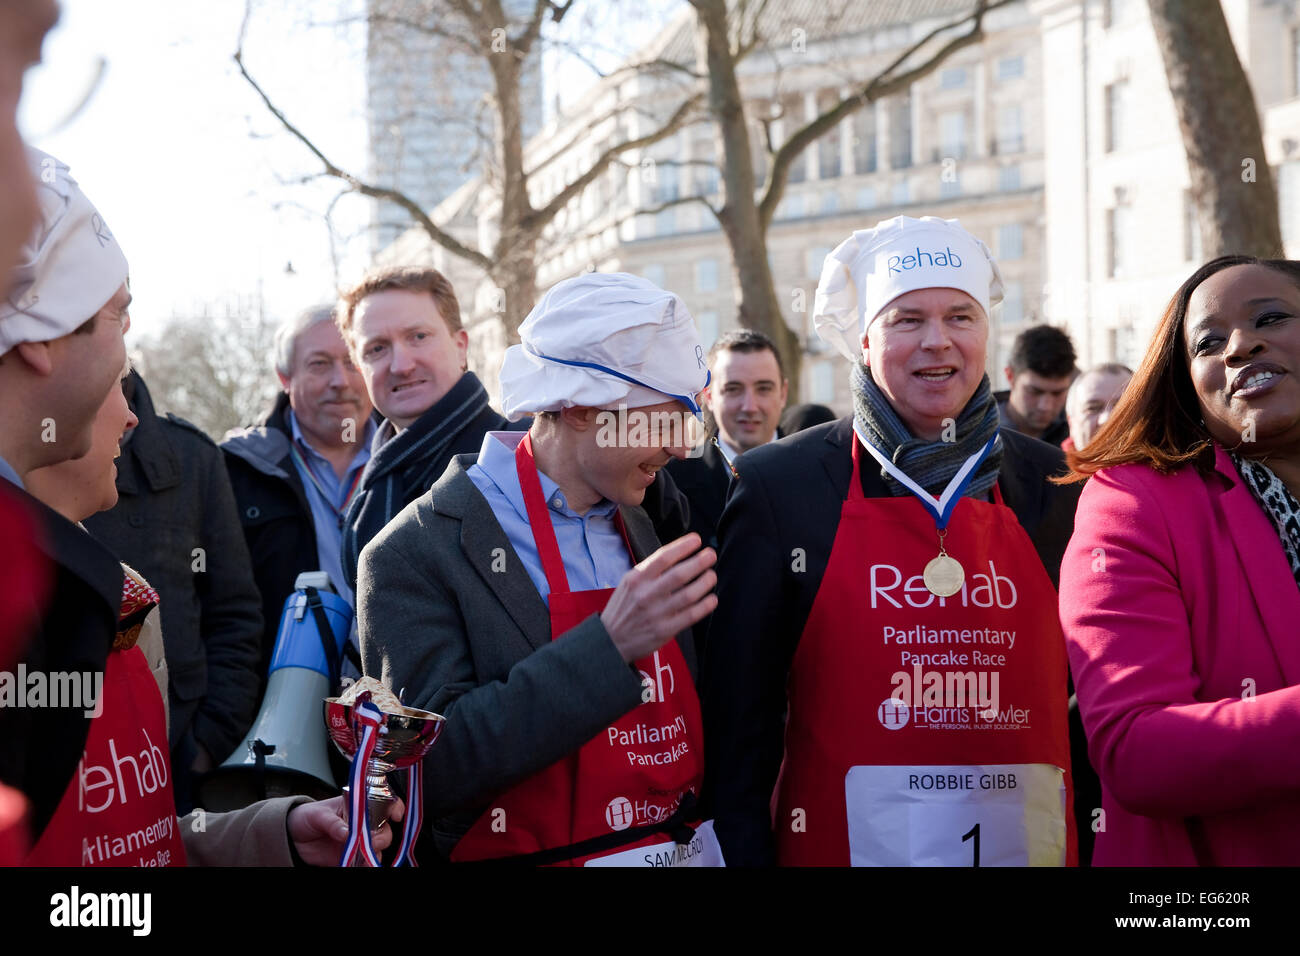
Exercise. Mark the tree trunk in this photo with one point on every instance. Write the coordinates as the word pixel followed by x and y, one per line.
pixel 1231 182
pixel 516 277
pixel 758 305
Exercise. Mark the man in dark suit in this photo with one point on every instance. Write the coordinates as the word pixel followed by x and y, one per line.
pixel 821 594
pixel 747 391
pixel 507 600
pixel 175 522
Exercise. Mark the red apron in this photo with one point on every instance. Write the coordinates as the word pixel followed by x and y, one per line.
pixel 119 809
pixel 633 774
pixel 926 730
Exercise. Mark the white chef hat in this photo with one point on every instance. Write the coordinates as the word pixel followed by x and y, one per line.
pixel 604 339
pixel 873 267
pixel 68 269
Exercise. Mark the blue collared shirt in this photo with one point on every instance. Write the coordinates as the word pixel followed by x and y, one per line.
pixel 595 555
pixel 326 508
pixel 8 474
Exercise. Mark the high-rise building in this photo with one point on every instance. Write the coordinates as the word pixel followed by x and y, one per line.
pixel 429 114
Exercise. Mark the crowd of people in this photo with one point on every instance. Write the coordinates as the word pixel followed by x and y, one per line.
pixel 668 619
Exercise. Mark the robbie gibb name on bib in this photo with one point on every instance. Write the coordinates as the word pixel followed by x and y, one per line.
pixel 80 690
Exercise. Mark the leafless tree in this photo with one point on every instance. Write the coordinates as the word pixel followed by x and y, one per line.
pixel 1231 183
pixel 729 31
pixel 505 46
pixel 213 367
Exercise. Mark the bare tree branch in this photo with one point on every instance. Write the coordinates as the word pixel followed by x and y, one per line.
pixel 655 65
pixel 562 150
pixel 524 42
pixel 566 195
pixel 629 216
pixel 880 86
pixel 444 239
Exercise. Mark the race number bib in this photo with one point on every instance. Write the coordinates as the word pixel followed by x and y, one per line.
pixel 703 850
pixel 995 815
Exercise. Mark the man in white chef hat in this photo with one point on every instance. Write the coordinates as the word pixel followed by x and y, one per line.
pixel 62 322
pixel 922 536
pixel 526 598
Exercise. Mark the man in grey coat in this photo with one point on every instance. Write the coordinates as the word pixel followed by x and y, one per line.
pixel 457 595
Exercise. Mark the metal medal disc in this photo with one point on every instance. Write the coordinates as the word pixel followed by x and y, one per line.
pixel 944 576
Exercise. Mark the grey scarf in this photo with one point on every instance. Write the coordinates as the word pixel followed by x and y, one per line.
pixel 931 464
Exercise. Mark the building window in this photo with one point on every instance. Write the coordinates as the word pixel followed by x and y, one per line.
pixel 828 147
pixel 653 273
pixel 666 221
pixel 867 197
pixel 1011 241
pixel 1119 232
pixel 791 207
pixel 822 387
pixel 900 195
pixel 952 136
pixel 1115 12
pixel 791 119
pixel 1009 178
pixel 953 78
pixel 814 258
pixel 830 202
pixel 949 185
pixel 707 322
pixel 1011 135
pixel 706 275
pixel 1116 115
pixel 900 132
pixel 864 139
pixel 1013 303
pixel 1011 68
pixel 1191 229
pixel 1295 61
pixel 1288 202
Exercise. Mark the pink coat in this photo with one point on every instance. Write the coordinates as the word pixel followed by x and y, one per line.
pixel 1182 619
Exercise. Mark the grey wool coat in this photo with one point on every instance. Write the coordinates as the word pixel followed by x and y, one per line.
pixel 447 611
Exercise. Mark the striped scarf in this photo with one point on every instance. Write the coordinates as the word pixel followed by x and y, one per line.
pixel 404 465
pixel 931 464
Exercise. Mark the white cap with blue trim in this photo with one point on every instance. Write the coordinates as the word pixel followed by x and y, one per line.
pixel 603 340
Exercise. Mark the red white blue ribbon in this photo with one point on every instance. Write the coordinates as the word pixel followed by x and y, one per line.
pixel 414 815
pixel 367 723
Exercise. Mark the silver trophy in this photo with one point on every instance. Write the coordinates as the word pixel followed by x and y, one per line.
pixel 403 738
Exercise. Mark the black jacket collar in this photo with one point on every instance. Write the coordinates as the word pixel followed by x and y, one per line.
pixel 149 457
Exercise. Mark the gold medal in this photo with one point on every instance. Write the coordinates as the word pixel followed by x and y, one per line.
pixel 944 575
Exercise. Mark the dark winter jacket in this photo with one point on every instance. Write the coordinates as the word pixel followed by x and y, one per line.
pixel 275 515
pixel 40 748
pixel 175 522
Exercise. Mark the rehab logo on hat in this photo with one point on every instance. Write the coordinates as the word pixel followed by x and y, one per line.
pixel 873 267
pixel 946 257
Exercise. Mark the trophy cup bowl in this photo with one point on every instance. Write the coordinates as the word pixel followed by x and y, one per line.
pixel 403 741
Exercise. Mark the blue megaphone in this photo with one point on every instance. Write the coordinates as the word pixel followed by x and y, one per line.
pixel 286 751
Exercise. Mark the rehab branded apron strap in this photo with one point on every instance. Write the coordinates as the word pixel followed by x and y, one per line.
pixel 676 825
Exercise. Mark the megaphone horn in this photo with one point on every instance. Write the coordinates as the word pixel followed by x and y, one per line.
pixel 286 751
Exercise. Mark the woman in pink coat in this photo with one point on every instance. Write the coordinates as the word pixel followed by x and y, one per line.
pixel 1180 599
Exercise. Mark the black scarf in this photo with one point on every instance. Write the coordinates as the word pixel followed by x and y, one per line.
pixel 931 464
pixel 404 465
